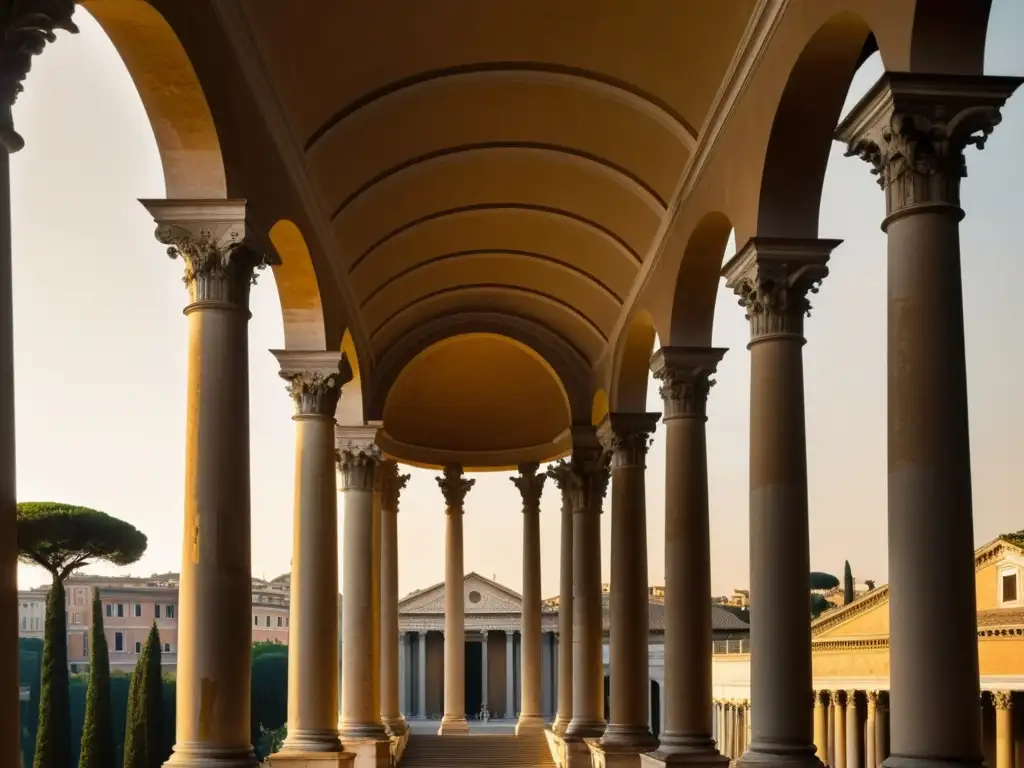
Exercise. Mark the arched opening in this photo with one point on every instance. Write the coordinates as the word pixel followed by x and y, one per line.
pixel 297 288
pixel 632 373
pixel 949 37
pixel 350 408
pixel 698 282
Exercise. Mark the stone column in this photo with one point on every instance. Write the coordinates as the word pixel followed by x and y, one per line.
pixel 839 750
pixel 626 438
pixel 772 277
pixel 852 731
pixel 421 690
pixel 590 476
pixel 484 650
pixel 391 485
pixel 314 381
pixel 215 590
pixel 360 719
pixel 510 674
pixel 454 487
pixel 870 759
pixel 403 674
pixel 561 473
pixel 821 725
pixel 832 703
pixel 531 486
pixel 1003 703
pixel 913 130
pixel 882 727
pixel 685 375
pixel 26 29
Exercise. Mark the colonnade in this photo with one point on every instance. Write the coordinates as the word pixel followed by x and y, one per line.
pixel 851 728
pixel 731 725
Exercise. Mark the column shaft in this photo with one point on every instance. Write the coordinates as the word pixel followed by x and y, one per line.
pixel 403 674
pixel 531 486
pixel 510 675
pixel 852 731
pixel 561 474
pixel 421 673
pixel 840 752
pixel 455 489
pixel 391 484
pixel 870 759
pixel 1003 702
pixel 821 725
pixel 10 736
pixel 484 671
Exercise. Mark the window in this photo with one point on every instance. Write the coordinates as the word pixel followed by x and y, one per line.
pixel 74 669
pixel 75 618
pixel 170 611
pixel 268 621
pixel 157 609
pixel 120 610
pixel 138 647
pixel 24 622
pixel 138 610
pixel 1009 587
pixel 167 647
pixel 109 609
pixel 255 621
pixel 85 643
pixel 280 621
pixel 119 641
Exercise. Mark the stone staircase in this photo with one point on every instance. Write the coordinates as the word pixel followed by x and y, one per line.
pixel 477 751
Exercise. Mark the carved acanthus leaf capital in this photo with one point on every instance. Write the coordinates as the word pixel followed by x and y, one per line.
pixel 873 699
pixel 209 236
pixel 314 380
pixel 1002 699
pixel 454 487
pixel 913 129
pixel 589 477
pixel 26 26
pixel 530 485
pixel 626 437
pixel 561 473
pixel 391 484
pixel 772 277
pixel 357 464
pixel 686 379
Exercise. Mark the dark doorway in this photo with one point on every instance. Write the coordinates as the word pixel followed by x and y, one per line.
pixel 607 698
pixel 474 679
pixel 655 708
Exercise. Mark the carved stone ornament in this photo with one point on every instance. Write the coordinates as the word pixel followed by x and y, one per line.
pixel 590 474
pixel 209 237
pixel 26 26
pixel 913 129
pixel 391 484
pixel 314 380
pixel 872 700
pixel 686 379
pixel 1002 699
pixel 561 473
pixel 772 277
pixel 357 464
pixel 454 487
pixel 530 485
pixel 824 698
pixel 627 436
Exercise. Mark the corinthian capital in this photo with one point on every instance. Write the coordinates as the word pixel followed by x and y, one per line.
pixel 209 237
pixel 1002 699
pixel 589 476
pixel 26 26
pixel 530 485
pixel 685 375
pixel 561 473
pixel 391 484
pixel 913 129
pixel 314 380
pixel 627 436
pixel 454 487
pixel 357 464
pixel 772 276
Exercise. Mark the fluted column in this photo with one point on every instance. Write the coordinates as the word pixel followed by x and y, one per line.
pixel 561 473
pixel 772 277
pixel 531 486
pixel 454 487
pixel 882 727
pixel 215 590
pixel 391 485
pixel 913 130
pixel 626 437
pixel 403 674
pixel 852 731
pixel 26 29
pixel 314 381
pixel 686 374
pixel 839 751
pixel 1003 703
pixel 821 699
pixel 360 718
pixel 870 754
pixel 590 476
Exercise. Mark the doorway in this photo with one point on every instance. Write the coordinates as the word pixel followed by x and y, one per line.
pixel 474 680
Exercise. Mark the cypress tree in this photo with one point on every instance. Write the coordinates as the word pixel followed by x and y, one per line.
pixel 847 584
pixel 53 738
pixel 97 732
pixel 143 737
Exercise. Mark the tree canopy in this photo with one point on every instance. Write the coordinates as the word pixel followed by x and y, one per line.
pixel 821 580
pixel 63 537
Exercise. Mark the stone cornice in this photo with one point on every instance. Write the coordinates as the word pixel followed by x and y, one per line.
pixel 686 379
pixel 847 612
pixel 839 644
pixel 530 485
pixel 315 380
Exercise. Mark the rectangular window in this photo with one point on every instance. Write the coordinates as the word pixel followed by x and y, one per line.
pixel 24 622
pixel 280 621
pixel 167 647
pixel 109 609
pixel 120 610
pixel 138 610
pixel 170 611
pixel 268 621
pixel 85 644
pixel 157 609
pixel 138 647
pixel 1009 587
pixel 255 621
pixel 119 641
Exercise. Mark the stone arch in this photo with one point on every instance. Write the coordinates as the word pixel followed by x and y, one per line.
pixel 178 112
pixel 949 37
pixel 351 407
pixel 801 134
pixel 297 288
pixel 599 407
pixel 631 372
pixel 693 305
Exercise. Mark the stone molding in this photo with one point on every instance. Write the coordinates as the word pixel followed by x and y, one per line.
pixel 626 437
pixel 686 379
pixel 530 485
pixel 589 478
pixel 772 277
pixel 209 236
pixel 912 129
pixel 357 464
pixel 1002 700
pixel 391 484
pixel 315 380
pixel 454 487
pixel 29 27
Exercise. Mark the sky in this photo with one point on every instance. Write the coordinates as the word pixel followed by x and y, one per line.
pixel 100 344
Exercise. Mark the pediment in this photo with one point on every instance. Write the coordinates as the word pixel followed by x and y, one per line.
pixel 480 595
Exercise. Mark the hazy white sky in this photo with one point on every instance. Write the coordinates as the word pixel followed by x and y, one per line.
pixel 100 352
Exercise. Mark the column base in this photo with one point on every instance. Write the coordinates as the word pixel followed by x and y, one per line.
pixel 311 760
pixel 628 738
pixel 453 724
pixel 362 732
pixel 529 724
pixel 577 754
pixel 312 740
pixel 898 761
pixel 667 755
pixel 579 729
pixel 369 753
pixel 395 726
pixel 615 755
pixel 559 726
pixel 761 756
pixel 205 755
